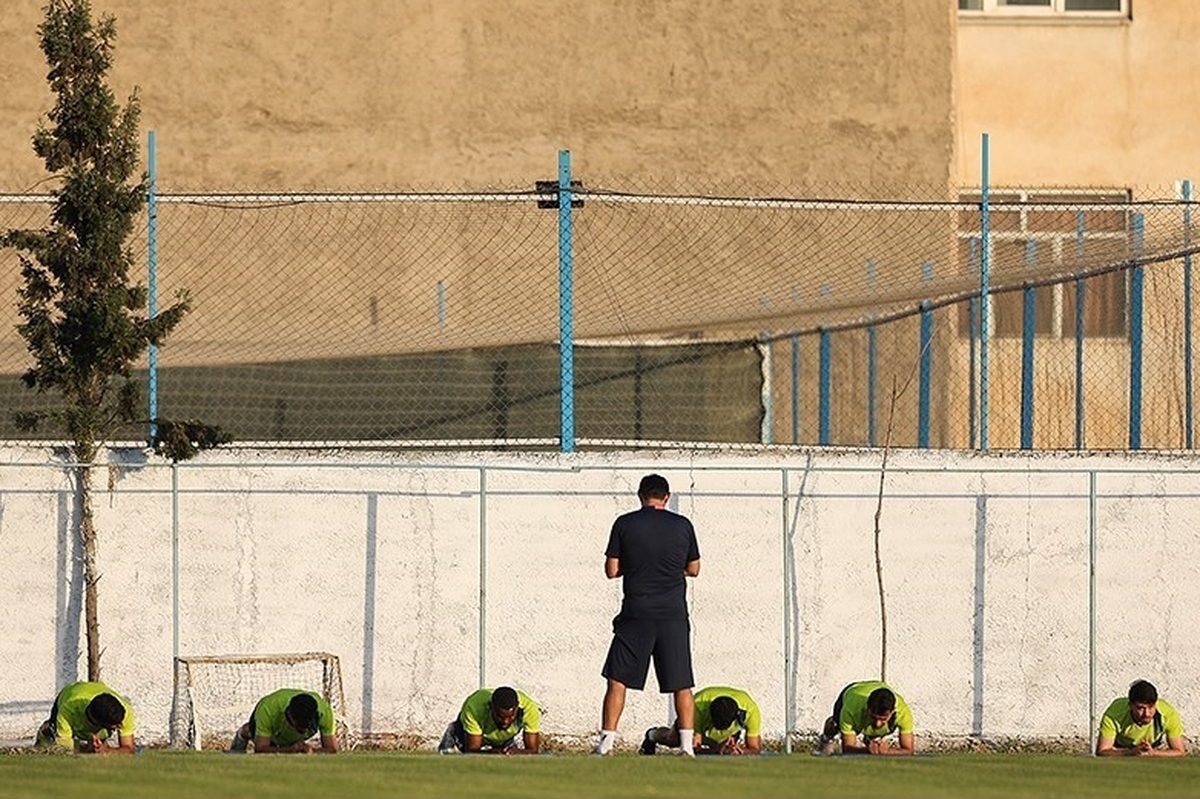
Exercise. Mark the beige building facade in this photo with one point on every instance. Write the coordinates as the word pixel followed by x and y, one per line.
pixel 369 94
pixel 1086 101
pixel 1082 100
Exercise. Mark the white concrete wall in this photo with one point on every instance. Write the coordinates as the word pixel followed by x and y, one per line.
pixel 376 557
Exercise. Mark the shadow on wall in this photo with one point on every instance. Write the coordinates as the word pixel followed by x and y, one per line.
pixel 68 593
pixel 24 714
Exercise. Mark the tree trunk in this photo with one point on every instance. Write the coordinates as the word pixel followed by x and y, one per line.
pixel 87 538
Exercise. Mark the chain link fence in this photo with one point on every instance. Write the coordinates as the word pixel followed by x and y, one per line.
pixel 832 318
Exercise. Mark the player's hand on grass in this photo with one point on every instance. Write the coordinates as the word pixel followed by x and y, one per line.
pixel 878 746
pixel 731 747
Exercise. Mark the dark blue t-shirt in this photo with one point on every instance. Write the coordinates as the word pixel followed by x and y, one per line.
pixel 653 546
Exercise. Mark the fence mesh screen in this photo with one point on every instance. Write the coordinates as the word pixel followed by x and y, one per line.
pixel 434 318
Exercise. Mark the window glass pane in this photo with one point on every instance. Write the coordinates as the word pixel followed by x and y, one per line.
pixel 1008 309
pixel 1104 304
pixel 970 5
pixel 1040 3
pixel 1093 5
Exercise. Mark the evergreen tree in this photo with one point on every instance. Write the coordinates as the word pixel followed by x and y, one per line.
pixel 84 321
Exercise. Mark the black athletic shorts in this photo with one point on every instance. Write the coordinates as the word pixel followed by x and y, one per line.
pixel 636 641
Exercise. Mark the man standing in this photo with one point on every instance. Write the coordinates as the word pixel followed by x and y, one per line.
pixel 284 721
pixel 1141 725
pixel 872 711
pixel 653 550
pixel 84 715
pixel 722 716
pixel 491 720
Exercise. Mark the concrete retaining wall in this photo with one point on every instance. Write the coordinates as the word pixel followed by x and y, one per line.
pixel 383 558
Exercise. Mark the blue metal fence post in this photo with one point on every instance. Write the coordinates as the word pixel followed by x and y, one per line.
pixel 1189 426
pixel 984 290
pixel 1080 297
pixel 1028 328
pixel 1136 290
pixel 566 306
pixel 152 275
pixel 924 381
pixel 826 386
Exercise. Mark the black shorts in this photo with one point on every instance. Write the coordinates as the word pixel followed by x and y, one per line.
pixel 636 641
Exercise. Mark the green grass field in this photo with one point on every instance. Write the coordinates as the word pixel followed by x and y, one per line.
pixel 188 775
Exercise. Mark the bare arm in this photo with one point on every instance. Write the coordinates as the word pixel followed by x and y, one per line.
pixel 851 746
pixel 880 746
pixel 98 747
pixel 533 743
pixel 692 568
pixel 612 568
pixel 329 744
pixel 1176 747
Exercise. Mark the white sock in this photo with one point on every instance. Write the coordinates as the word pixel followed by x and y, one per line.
pixel 686 742
pixel 605 744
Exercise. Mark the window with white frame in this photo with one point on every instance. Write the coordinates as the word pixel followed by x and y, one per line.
pixel 1050 232
pixel 1035 8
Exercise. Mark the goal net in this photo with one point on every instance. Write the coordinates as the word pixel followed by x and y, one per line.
pixel 215 694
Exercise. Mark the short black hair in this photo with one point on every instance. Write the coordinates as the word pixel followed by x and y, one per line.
pixel 723 711
pixel 504 698
pixel 881 701
pixel 106 710
pixel 1143 693
pixel 303 710
pixel 653 486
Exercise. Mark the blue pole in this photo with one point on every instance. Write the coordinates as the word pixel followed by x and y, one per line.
pixel 1135 337
pixel 984 293
pixel 872 379
pixel 926 373
pixel 826 386
pixel 152 276
pixel 1028 327
pixel 566 307
pixel 795 389
pixel 1187 313
pixel 1080 297
pixel 972 391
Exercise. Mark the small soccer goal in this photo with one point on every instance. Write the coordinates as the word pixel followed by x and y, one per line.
pixel 215 694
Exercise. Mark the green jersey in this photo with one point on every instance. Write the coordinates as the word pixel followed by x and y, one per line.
pixel 855 720
pixel 476 718
pixel 270 718
pixel 1118 725
pixel 71 722
pixel 748 719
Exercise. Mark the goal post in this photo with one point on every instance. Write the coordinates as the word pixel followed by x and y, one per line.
pixel 215 694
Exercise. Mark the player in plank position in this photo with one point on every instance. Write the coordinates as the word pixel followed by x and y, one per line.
pixel 84 715
pixel 722 716
pixel 1141 725
pixel 285 720
pixel 872 711
pixel 490 721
